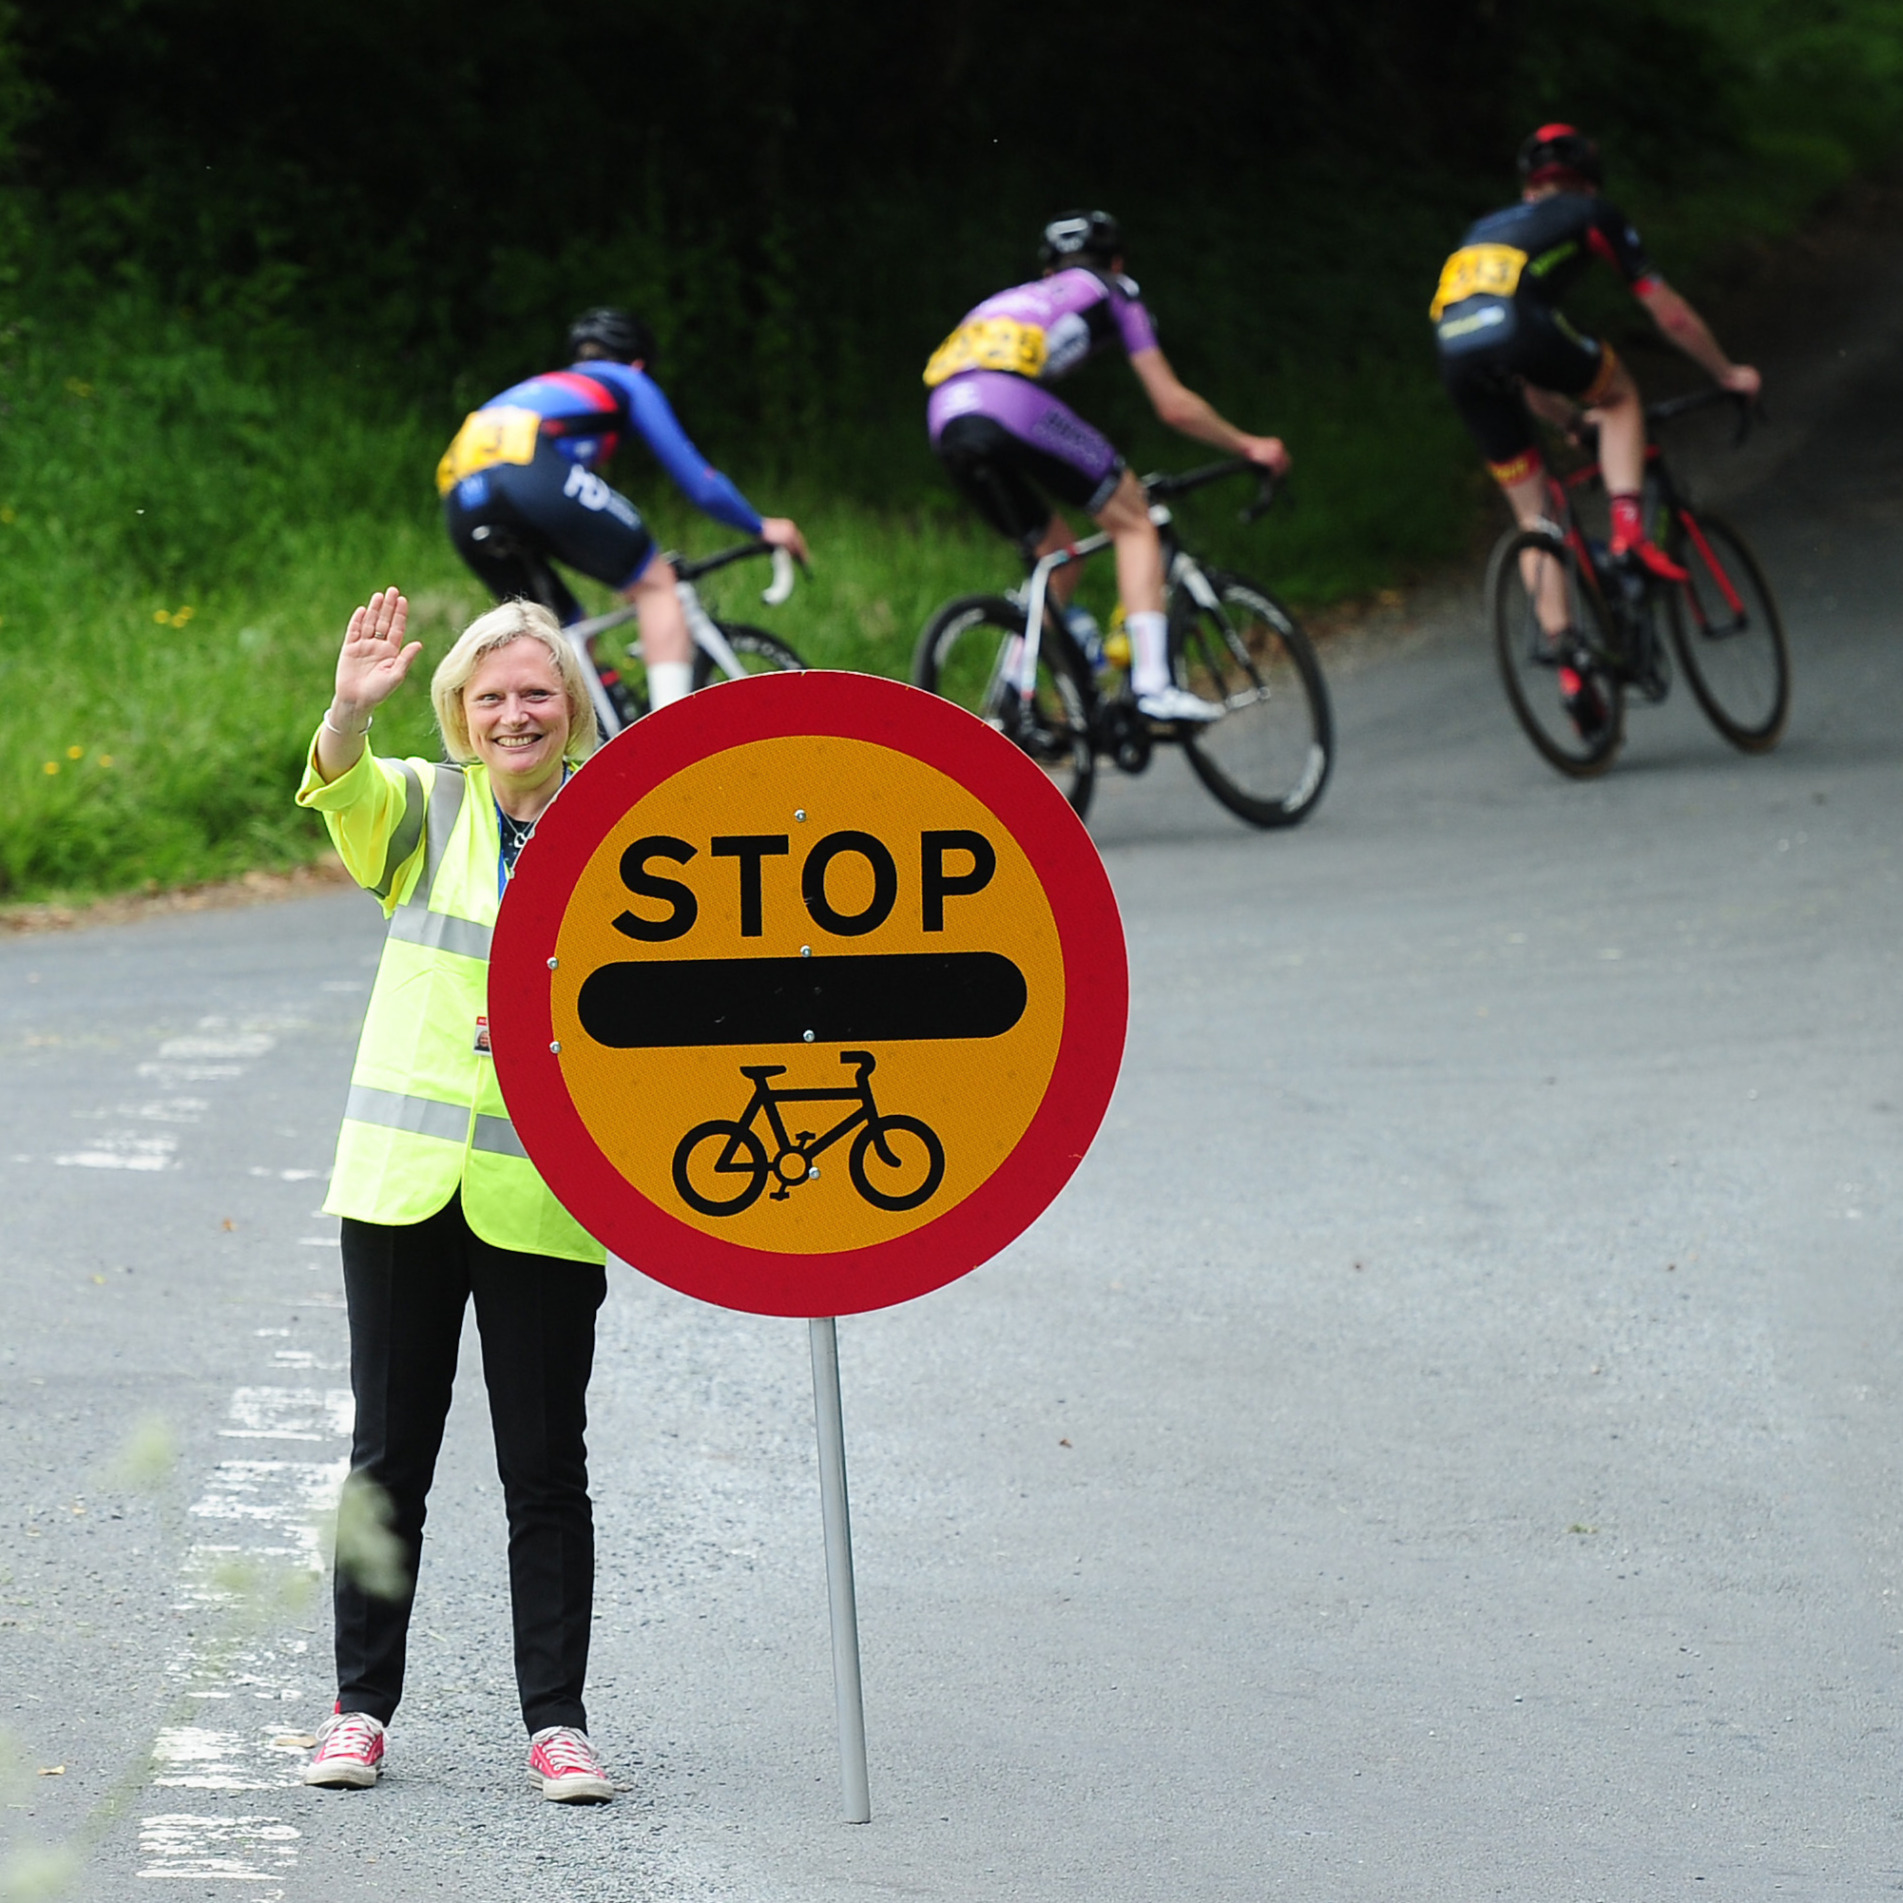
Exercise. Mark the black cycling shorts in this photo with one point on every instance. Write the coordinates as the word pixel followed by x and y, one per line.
pixel 549 508
pixel 1489 346
pixel 1011 482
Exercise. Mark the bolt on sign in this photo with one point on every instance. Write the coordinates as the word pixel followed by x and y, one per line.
pixel 810 997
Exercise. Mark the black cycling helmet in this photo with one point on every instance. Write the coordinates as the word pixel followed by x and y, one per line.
pixel 614 334
pixel 1559 150
pixel 1081 237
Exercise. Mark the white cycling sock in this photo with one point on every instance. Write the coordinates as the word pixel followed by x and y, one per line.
pixel 1149 651
pixel 669 681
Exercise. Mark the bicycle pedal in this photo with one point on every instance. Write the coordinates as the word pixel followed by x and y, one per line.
pixel 804 1137
pixel 779 1195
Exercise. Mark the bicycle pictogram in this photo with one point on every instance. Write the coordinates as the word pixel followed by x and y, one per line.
pixel 896 1162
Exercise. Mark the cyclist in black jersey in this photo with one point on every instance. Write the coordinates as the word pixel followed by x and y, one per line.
pixel 1502 337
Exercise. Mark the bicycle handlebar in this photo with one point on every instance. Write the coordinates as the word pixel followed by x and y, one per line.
pixel 1161 486
pixel 775 592
pixel 1749 410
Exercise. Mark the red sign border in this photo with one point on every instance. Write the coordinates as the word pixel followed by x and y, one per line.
pixel 820 703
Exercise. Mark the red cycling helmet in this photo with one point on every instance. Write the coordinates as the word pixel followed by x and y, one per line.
pixel 1560 151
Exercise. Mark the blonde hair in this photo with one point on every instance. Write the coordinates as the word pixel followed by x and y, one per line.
pixel 513 621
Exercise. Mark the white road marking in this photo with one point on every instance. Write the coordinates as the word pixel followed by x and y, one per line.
pixel 170 1076
pixel 231 1849
pixel 289 1414
pixel 267 1515
pixel 222 1044
pixel 121 1150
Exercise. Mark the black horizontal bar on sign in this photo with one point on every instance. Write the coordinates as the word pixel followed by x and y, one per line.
pixel 669 1003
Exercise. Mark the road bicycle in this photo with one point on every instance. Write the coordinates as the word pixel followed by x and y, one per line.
pixel 910 1159
pixel 1575 631
pixel 1011 660
pixel 723 650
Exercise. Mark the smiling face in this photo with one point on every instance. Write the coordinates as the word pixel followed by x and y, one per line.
pixel 518 716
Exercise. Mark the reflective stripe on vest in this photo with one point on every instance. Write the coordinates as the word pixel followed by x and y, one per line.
pixel 438 931
pixel 413 921
pixel 409 829
pixel 426 1117
pixel 497 1137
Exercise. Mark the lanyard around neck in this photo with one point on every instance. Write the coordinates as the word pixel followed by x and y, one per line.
pixel 505 830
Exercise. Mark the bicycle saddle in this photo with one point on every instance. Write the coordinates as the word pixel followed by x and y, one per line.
pixel 760 1072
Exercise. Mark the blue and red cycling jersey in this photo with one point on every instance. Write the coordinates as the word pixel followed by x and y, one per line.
pixel 582 413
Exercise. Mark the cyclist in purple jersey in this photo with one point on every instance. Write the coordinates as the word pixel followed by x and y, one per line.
pixel 1011 447
pixel 528 462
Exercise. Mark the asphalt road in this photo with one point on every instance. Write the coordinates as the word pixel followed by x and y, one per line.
pixel 1446 1442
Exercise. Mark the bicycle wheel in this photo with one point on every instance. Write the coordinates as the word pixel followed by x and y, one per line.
pixel 741 1155
pixel 1566 692
pixel 918 1159
pixel 1267 759
pixel 1728 633
pixel 757 652
pixel 966 653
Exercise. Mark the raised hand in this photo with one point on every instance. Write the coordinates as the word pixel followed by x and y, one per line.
pixel 374 658
pixel 370 668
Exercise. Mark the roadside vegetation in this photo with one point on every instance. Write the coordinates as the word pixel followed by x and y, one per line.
pixel 232 345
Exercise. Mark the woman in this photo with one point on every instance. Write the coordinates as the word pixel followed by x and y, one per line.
pixel 438 1198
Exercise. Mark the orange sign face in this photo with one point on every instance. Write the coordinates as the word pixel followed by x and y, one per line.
pixel 809 995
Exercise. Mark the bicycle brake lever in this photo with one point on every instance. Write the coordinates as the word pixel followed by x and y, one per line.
pixel 781 586
pixel 1264 501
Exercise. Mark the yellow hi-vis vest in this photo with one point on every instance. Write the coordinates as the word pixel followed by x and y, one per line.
pixel 425 1116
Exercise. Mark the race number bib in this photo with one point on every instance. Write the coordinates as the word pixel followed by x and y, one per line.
pixel 989 343
pixel 486 438
pixel 1478 270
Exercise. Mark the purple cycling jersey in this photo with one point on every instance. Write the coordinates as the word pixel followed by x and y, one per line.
pixel 1043 330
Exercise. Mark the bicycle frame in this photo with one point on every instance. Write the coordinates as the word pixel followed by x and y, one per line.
pixel 1179 565
pixel 1565 522
pixel 700 624
pixel 766 1098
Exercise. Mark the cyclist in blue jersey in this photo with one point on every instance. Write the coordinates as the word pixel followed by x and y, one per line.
pixel 528 463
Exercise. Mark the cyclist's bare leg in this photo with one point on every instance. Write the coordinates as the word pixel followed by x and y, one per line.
pixel 1125 518
pixel 1064 582
pixel 666 646
pixel 1621 419
pixel 1545 579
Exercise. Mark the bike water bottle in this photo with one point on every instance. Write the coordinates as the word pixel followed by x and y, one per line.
pixel 1088 636
pixel 1116 645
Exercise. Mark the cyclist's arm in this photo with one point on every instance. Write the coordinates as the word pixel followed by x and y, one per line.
pixel 702 484
pixel 1677 320
pixel 1182 409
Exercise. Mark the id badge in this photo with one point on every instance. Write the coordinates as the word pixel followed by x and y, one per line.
pixel 482 1037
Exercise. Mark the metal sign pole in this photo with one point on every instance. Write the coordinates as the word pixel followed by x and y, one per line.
pixel 840 1596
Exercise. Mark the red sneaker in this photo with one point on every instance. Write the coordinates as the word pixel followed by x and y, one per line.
pixel 349 1754
pixel 563 1763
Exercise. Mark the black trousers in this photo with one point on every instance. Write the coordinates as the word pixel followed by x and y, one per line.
pixel 407 1287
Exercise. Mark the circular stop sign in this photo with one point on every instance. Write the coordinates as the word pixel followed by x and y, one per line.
pixel 808 994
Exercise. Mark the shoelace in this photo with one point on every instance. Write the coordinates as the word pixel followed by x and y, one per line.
pixel 349 1733
pixel 569 1750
